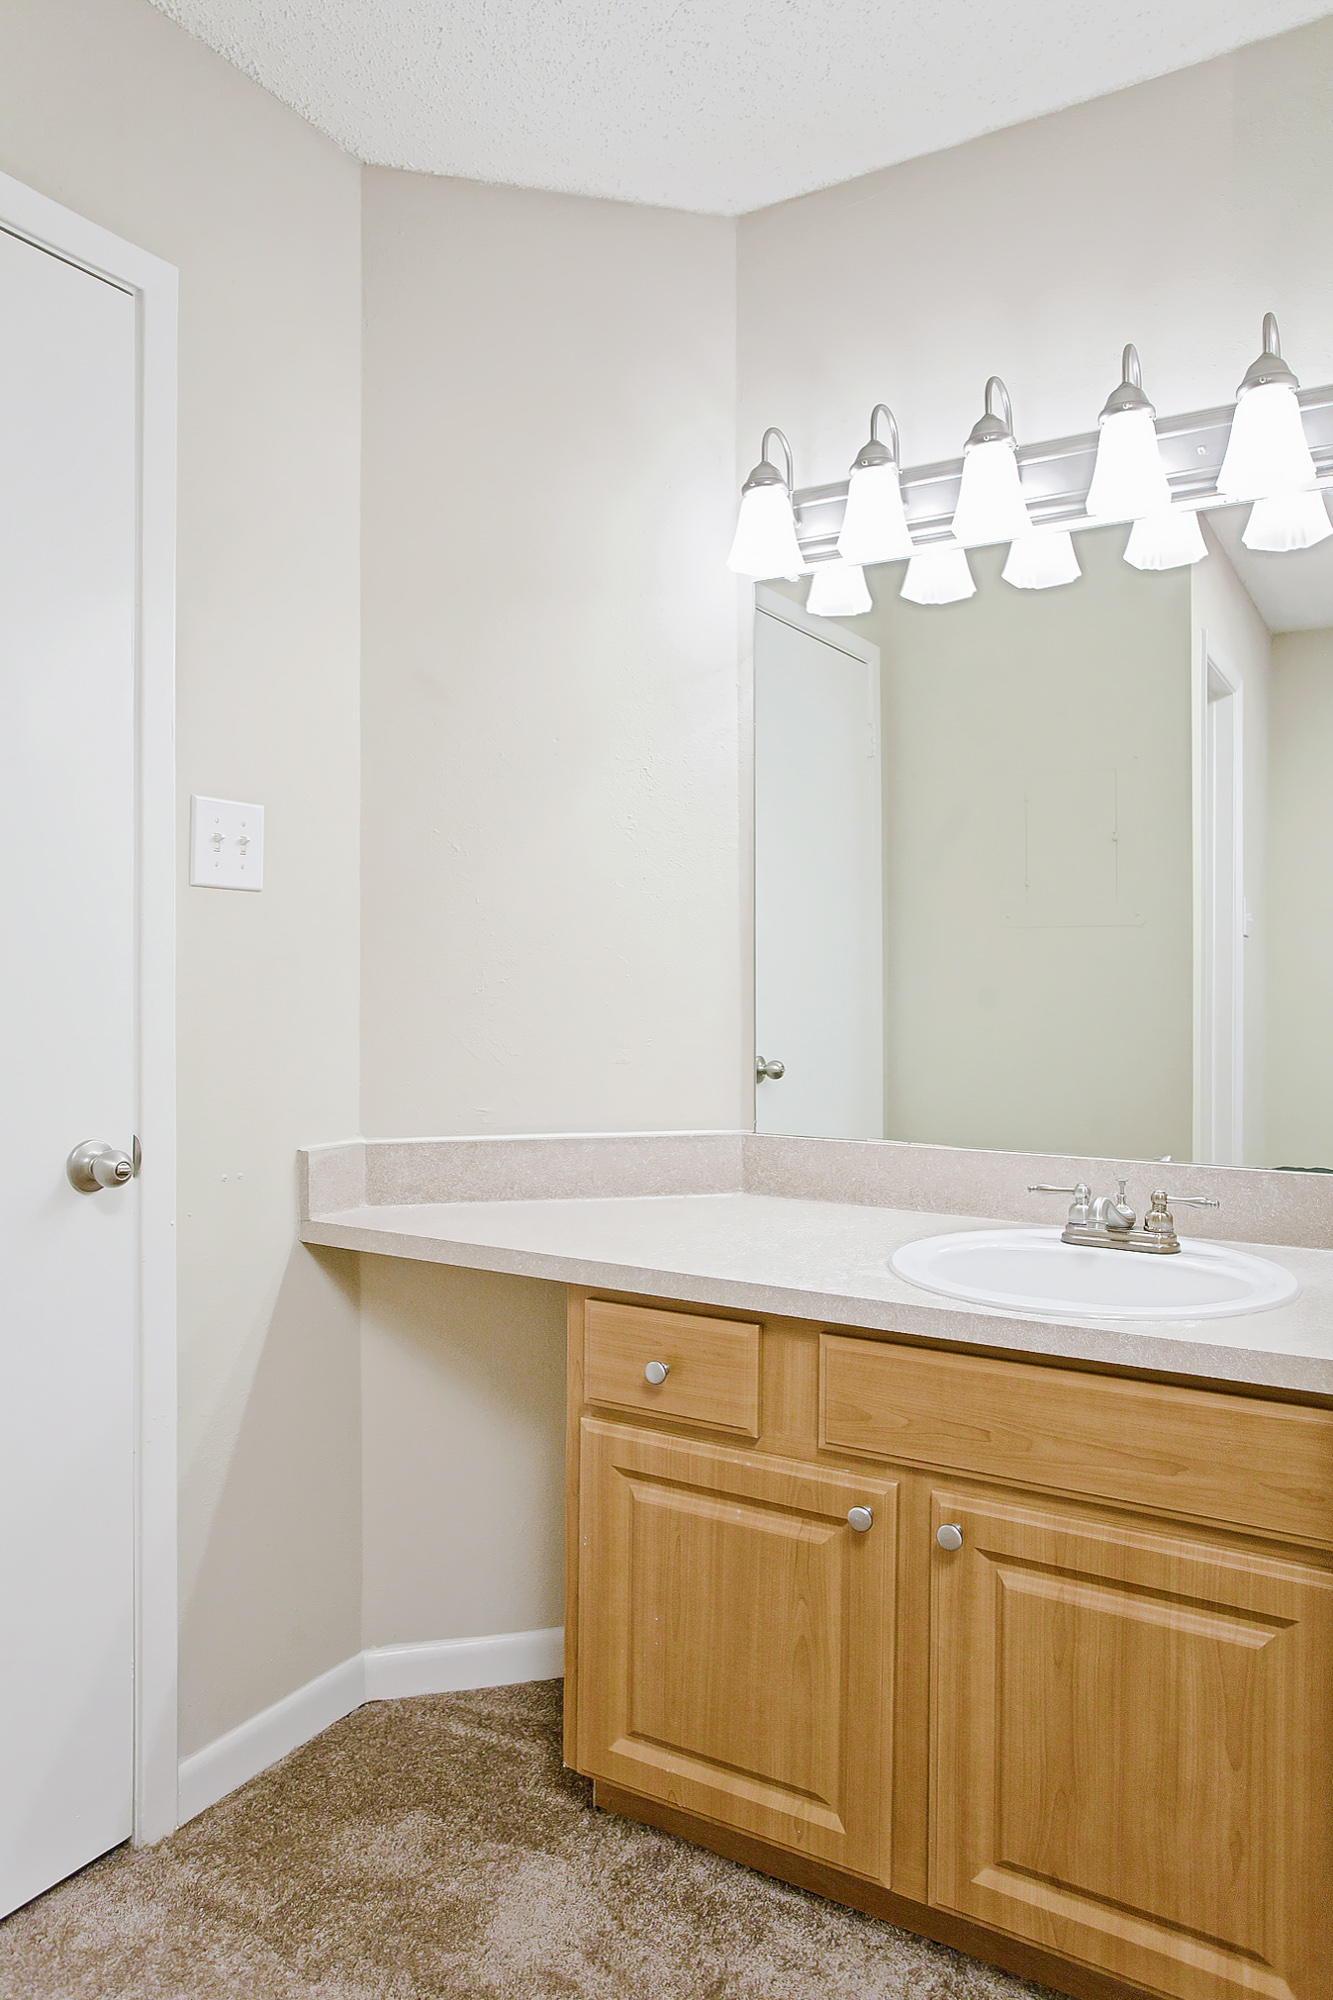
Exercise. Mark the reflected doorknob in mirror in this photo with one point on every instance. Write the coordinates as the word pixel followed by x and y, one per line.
pixel 949 1536
pixel 774 1071
pixel 656 1373
pixel 93 1165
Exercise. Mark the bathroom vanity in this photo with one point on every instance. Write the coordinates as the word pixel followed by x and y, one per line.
pixel 977 1645
pixel 1015 1631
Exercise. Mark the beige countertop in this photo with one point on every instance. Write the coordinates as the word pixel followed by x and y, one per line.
pixel 829 1260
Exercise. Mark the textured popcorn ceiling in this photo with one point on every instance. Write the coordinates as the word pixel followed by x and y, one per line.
pixel 717 105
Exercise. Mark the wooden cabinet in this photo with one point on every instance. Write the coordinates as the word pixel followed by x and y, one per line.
pixel 1093 1742
pixel 1131 1748
pixel 736 1636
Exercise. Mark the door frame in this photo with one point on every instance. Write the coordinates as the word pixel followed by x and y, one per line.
pixel 153 285
pixel 1214 970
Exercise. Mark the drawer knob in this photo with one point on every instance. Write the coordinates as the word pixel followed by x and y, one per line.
pixel 860 1518
pixel 656 1372
pixel 949 1536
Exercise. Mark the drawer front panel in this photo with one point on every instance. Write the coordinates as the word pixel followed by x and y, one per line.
pixel 712 1366
pixel 1231 1459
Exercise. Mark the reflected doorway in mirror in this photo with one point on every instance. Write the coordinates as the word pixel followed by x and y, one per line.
pixel 818 863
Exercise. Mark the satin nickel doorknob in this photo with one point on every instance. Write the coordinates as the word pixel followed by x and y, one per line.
pixel 860 1518
pixel 774 1071
pixel 656 1372
pixel 95 1165
pixel 949 1536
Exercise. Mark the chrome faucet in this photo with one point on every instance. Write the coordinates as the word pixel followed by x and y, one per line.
pixel 1107 1223
pixel 1113 1212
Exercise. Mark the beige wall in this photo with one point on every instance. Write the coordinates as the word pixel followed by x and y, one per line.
pixel 552 838
pixel 117 113
pixel 1300 900
pixel 464 1457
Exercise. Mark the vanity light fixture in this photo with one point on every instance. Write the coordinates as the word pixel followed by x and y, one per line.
pixel 990 500
pixel 838 590
pixel 1170 540
pixel 874 527
pixel 939 573
pixel 1041 559
pixel 1267 453
pixel 1129 480
pixel 1288 521
pixel 765 542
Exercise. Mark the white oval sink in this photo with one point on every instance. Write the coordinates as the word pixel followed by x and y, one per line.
pixel 1032 1271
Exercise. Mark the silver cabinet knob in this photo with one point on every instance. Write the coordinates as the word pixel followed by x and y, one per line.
pixel 773 1071
pixel 95 1165
pixel 860 1518
pixel 949 1536
pixel 656 1372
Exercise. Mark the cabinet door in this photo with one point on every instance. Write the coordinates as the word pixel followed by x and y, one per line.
pixel 735 1640
pixel 1133 1749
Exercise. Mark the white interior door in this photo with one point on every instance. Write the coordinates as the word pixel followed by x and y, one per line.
pixel 819 924
pixel 68 428
pixel 1220 1010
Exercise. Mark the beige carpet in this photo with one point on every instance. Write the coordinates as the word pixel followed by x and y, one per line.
pixel 435 1850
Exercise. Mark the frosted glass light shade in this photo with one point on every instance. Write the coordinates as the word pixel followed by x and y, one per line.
pixel 765 543
pixel 1266 452
pixel 938 574
pixel 990 502
pixel 1042 559
pixel 874 528
pixel 1170 540
pixel 1291 521
pixel 838 590
pixel 1130 479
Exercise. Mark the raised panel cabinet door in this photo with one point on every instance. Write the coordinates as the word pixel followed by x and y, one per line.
pixel 1132 1749
pixel 736 1640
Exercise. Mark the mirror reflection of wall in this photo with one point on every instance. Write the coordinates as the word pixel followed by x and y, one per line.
pixel 1052 870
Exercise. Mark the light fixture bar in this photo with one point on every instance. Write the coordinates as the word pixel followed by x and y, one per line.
pixel 1057 475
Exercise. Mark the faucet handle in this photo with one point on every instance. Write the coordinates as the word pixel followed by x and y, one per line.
pixel 1159 1221
pixel 1078 1211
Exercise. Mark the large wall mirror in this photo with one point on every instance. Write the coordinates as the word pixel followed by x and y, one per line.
pixel 1052 870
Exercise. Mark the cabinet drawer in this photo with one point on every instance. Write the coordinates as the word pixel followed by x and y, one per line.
pixel 1215 1457
pixel 712 1366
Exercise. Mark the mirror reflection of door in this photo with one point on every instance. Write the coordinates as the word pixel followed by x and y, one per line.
pixel 1103 913
pixel 1219 1101
pixel 818 876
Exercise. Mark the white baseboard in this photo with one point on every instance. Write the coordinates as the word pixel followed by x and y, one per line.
pixel 445 1665
pixel 381 1673
pixel 250 1748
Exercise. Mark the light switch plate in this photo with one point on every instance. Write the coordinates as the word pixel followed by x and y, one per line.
pixel 226 844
